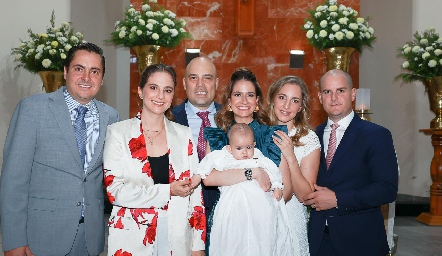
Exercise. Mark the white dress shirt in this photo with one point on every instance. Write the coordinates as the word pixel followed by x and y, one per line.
pixel 343 124
pixel 195 121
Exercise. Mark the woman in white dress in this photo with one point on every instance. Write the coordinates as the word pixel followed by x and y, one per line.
pixel 288 102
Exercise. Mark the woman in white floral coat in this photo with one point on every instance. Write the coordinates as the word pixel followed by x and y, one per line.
pixel 148 162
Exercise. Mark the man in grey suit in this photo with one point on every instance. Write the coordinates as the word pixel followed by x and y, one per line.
pixel 52 184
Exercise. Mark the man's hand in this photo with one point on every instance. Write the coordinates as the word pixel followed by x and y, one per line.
pixel 262 178
pixel 322 199
pixel 20 251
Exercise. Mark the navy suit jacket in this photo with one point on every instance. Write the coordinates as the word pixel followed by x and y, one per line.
pixel 364 176
pixel 210 194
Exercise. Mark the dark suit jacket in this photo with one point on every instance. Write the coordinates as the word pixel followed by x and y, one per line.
pixel 210 194
pixel 43 182
pixel 364 176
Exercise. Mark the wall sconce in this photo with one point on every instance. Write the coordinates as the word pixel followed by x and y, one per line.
pixel 296 59
pixel 191 54
pixel 362 106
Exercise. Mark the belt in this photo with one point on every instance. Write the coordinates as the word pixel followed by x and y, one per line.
pixel 81 220
pixel 326 230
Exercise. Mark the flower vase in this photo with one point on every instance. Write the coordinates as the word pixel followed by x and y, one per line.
pixel 148 55
pixel 338 57
pixel 433 87
pixel 52 80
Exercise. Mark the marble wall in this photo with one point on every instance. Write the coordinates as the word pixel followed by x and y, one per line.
pixel 277 30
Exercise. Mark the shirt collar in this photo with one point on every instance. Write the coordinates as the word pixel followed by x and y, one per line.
pixel 343 123
pixel 192 110
pixel 73 104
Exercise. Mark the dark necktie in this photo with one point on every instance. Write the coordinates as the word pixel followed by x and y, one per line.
pixel 80 132
pixel 201 148
pixel 331 144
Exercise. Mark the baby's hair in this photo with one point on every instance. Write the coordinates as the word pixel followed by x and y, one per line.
pixel 239 129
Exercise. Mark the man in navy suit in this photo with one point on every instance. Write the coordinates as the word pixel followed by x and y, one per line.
pixel 200 83
pixel 361 175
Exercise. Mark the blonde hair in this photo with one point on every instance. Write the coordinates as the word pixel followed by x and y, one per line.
pixel 301 119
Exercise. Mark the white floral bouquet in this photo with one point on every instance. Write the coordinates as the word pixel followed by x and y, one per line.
pixel 47 51
pixel 423 57
pixel 153 25
pixel 331 25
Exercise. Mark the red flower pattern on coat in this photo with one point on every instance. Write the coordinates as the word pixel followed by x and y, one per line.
pixel 121 211
pixel 147 169
pixel 138 213
pixel 185 175
pixel 121 253
pixel 119 224
pixel 110 197
pixel 108 180
pixel 190 148
pixel 137 148
pixel 151 231
pixel 198 221
pixel 171 174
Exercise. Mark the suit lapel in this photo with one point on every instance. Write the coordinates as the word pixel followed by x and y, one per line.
pixel 180 114
pixel 350 135
pixel 320 133
pixel 103 122
pixel 59 108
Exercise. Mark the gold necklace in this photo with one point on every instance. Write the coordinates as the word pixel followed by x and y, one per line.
pixel 147 130
pixel 152 138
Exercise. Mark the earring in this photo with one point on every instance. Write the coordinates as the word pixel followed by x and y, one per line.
pixel 141 97
pixel 229 108
pixel 256 109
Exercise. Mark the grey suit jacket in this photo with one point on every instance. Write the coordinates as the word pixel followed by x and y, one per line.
pixel 43 182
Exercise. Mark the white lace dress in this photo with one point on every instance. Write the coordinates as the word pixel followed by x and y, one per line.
pixel 297 212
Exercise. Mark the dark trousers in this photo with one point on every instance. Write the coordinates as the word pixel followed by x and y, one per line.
pixel 326 248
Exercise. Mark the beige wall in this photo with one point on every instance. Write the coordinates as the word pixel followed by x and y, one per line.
pixel 16 17
pixel 403 109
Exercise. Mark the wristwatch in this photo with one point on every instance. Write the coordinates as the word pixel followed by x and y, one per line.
pixel 248 173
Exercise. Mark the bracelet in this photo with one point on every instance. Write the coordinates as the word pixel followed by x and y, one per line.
pixel 248 173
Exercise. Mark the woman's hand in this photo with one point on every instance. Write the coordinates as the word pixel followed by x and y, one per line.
pixel 180 188
pixel 284 142
pixel 195 181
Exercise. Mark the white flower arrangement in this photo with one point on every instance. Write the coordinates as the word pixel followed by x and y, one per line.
pixel 423 57
pixel 47 51
pixel 331 25
pixel 152 25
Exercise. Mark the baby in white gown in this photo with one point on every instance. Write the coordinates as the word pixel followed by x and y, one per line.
pixel 247 220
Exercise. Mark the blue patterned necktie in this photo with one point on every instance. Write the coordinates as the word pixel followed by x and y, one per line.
pixel 80 132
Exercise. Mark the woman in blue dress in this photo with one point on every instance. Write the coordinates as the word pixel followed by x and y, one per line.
pixel 242 103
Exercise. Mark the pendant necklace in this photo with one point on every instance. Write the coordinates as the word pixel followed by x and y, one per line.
pixel 152 138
